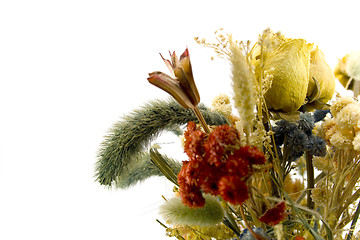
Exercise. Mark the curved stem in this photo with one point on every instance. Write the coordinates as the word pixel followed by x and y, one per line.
pixel 257 236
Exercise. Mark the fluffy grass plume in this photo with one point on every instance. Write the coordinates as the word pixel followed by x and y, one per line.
pixel 174 212
pixel 122 148
pixel 243 86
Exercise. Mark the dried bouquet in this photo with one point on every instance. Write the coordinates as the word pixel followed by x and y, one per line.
pixel 284 165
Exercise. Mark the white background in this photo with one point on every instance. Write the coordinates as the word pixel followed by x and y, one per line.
pixel 70 69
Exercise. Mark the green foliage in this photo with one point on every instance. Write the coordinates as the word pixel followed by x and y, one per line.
pixel 145 169
pixel 297 209
pixel 123 148
pixel 353 224
pixel 164 165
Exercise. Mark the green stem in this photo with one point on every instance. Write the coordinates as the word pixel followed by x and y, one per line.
pixel 229 220
pixel 317 179
pixel 353 224
pixel 256 236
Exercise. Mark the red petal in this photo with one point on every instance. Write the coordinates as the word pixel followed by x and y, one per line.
pixel 274 215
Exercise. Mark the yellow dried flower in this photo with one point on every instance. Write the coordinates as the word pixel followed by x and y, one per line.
pixel 340 104
pixel 356 142
pixel 219 232
pixel 349 116
pixel 323 164
pixel 321 86
pixel 290 63
pixel 222 104
pixel 300 74
pixel 320 194
pixel 318 130
pixel 342 139
pixel 293 187
pixel 328 129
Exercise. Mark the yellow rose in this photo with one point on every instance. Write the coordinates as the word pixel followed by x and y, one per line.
pixel 321 82
pixel 300 75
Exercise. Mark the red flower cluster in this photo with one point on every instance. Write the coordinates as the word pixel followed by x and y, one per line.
pixel 274 215
pixel 217 165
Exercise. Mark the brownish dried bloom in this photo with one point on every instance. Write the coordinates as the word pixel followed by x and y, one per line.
pixel 181 83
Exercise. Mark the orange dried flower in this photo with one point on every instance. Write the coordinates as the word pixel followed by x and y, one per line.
pixel 299 238
pixel 217 165
pixel 233 190
pixel 194 139
pixel 220 142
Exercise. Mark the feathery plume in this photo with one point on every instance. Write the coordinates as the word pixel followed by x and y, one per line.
pixel 243 86
pixel 122 148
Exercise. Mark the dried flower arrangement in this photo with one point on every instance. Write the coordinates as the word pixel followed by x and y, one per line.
pixel 238 181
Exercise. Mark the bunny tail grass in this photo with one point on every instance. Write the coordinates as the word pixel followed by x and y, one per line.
pixel 174 212
pixel 123 146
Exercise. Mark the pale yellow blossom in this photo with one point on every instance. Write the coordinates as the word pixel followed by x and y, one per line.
pixel 320 194
pixel 324 164
pixel 349 116
pixel 342 139
pixel 356 142
pixel 318 130
pixel 340 104
pixel 222 104
pixel 328 129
